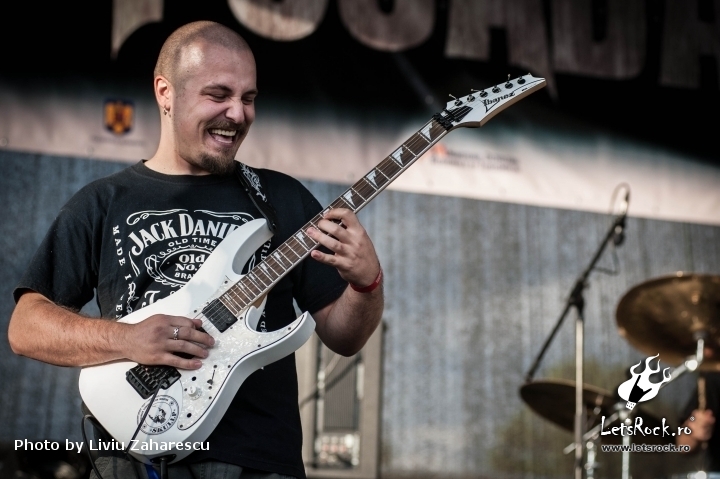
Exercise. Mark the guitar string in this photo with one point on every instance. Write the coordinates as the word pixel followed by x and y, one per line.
pixel 416 142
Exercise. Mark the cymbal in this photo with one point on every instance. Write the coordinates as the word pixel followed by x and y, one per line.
pixel 554 400
pixel 663 315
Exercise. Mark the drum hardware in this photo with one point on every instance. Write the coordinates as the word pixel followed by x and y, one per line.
pixel 676 317
pixel 576 300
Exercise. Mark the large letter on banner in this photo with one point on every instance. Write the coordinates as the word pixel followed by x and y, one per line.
pixel 620 54
pixel 469 32
pixel 409 24
pixel 686 38
pixel 283 21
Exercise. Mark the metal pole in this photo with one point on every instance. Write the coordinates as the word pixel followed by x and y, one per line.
pixel 579 403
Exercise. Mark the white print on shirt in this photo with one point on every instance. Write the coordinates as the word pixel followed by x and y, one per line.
pixel 170 247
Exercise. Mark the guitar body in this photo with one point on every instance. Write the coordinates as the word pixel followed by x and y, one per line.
pixel 189 410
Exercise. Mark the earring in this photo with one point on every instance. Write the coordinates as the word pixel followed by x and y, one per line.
pixel 164 111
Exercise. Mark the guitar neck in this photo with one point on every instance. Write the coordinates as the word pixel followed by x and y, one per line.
pixel 285 257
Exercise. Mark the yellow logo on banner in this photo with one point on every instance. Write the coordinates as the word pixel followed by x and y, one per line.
pixel 119 116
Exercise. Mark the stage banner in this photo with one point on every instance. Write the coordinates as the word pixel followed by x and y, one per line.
pixel 521 156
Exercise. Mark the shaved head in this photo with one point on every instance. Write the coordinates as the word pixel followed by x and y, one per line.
pixel 182 48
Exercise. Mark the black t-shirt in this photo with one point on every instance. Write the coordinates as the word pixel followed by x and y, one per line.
pixel 139 235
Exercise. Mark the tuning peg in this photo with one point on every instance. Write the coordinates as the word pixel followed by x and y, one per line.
pixel 508 84
pixel 457 102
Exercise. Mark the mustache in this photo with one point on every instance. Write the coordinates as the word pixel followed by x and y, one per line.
pixel 228 125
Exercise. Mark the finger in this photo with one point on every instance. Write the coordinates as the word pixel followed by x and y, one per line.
pixel 329 259
pixel 189 334
pixel 180 363
pixel 181 321
pixel 343 214
pixel 330 243
pixel 187 347
pixel 335 230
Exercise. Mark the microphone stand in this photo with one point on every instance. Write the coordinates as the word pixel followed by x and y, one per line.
pixel 577 300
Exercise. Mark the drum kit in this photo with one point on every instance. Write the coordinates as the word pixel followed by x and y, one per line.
pixel 677 317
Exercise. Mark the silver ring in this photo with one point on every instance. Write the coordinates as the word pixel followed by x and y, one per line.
pixel 175 333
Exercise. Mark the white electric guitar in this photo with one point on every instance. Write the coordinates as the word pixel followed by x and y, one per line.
pixel 187 405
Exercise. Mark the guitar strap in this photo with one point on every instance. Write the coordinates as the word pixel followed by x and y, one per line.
pixel 250 181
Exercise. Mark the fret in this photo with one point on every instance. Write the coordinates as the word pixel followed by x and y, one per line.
pixel 250 284
pixel 287 245
pixel 228 304
pixel 409 150
pixel 357 193
pixel 424 134
pixel 396 156
pixel 279 260
pixel 292 263
pixel 257 280
pixel 252 276
pixel 377 181
pixel 344 204
pixel 239 294
pixel 262 267
pixel 273 264
pixel 305 241
pixel 247 291
pixel 353 198
pixel 389 167
pixel 365 188
pixel 407 156
pixel 235 298
pixel 367 182
pixel 231 301
pixel 297 247
pixel 315 221
pixel 383 179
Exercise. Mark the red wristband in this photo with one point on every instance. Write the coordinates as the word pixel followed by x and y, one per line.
pixel 371 287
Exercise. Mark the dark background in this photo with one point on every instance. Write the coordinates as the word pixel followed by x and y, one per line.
pixel 62 40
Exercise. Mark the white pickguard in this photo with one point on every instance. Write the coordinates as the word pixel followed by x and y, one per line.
pixel 191 408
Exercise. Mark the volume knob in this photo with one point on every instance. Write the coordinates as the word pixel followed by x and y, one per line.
pixel 194 392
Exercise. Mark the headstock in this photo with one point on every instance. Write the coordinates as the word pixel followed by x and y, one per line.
pixel 476 109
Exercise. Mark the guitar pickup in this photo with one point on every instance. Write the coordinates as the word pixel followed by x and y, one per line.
pixel 146 380
pixel 219 315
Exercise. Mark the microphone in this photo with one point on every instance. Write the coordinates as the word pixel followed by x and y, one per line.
pixel 619 234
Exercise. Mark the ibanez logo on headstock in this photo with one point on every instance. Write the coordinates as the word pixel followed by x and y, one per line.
pixel 465 111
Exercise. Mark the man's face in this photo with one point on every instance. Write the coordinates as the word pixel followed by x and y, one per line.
pixel 214 105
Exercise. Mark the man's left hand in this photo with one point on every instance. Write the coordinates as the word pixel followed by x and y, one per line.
pixel 355 257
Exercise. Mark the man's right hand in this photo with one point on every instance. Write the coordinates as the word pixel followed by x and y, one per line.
pixel 42 330
pixel 701 428
pixel 152 341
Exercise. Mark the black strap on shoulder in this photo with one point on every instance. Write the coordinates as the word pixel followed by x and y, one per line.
pixel 250 181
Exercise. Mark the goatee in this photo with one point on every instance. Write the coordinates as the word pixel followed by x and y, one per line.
pixel 217 165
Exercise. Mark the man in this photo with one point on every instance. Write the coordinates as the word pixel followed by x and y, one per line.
pixel 137 236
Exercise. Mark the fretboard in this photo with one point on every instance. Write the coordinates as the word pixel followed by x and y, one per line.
pixel 285 257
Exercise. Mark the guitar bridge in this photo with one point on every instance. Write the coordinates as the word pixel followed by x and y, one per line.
pixel 148 379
